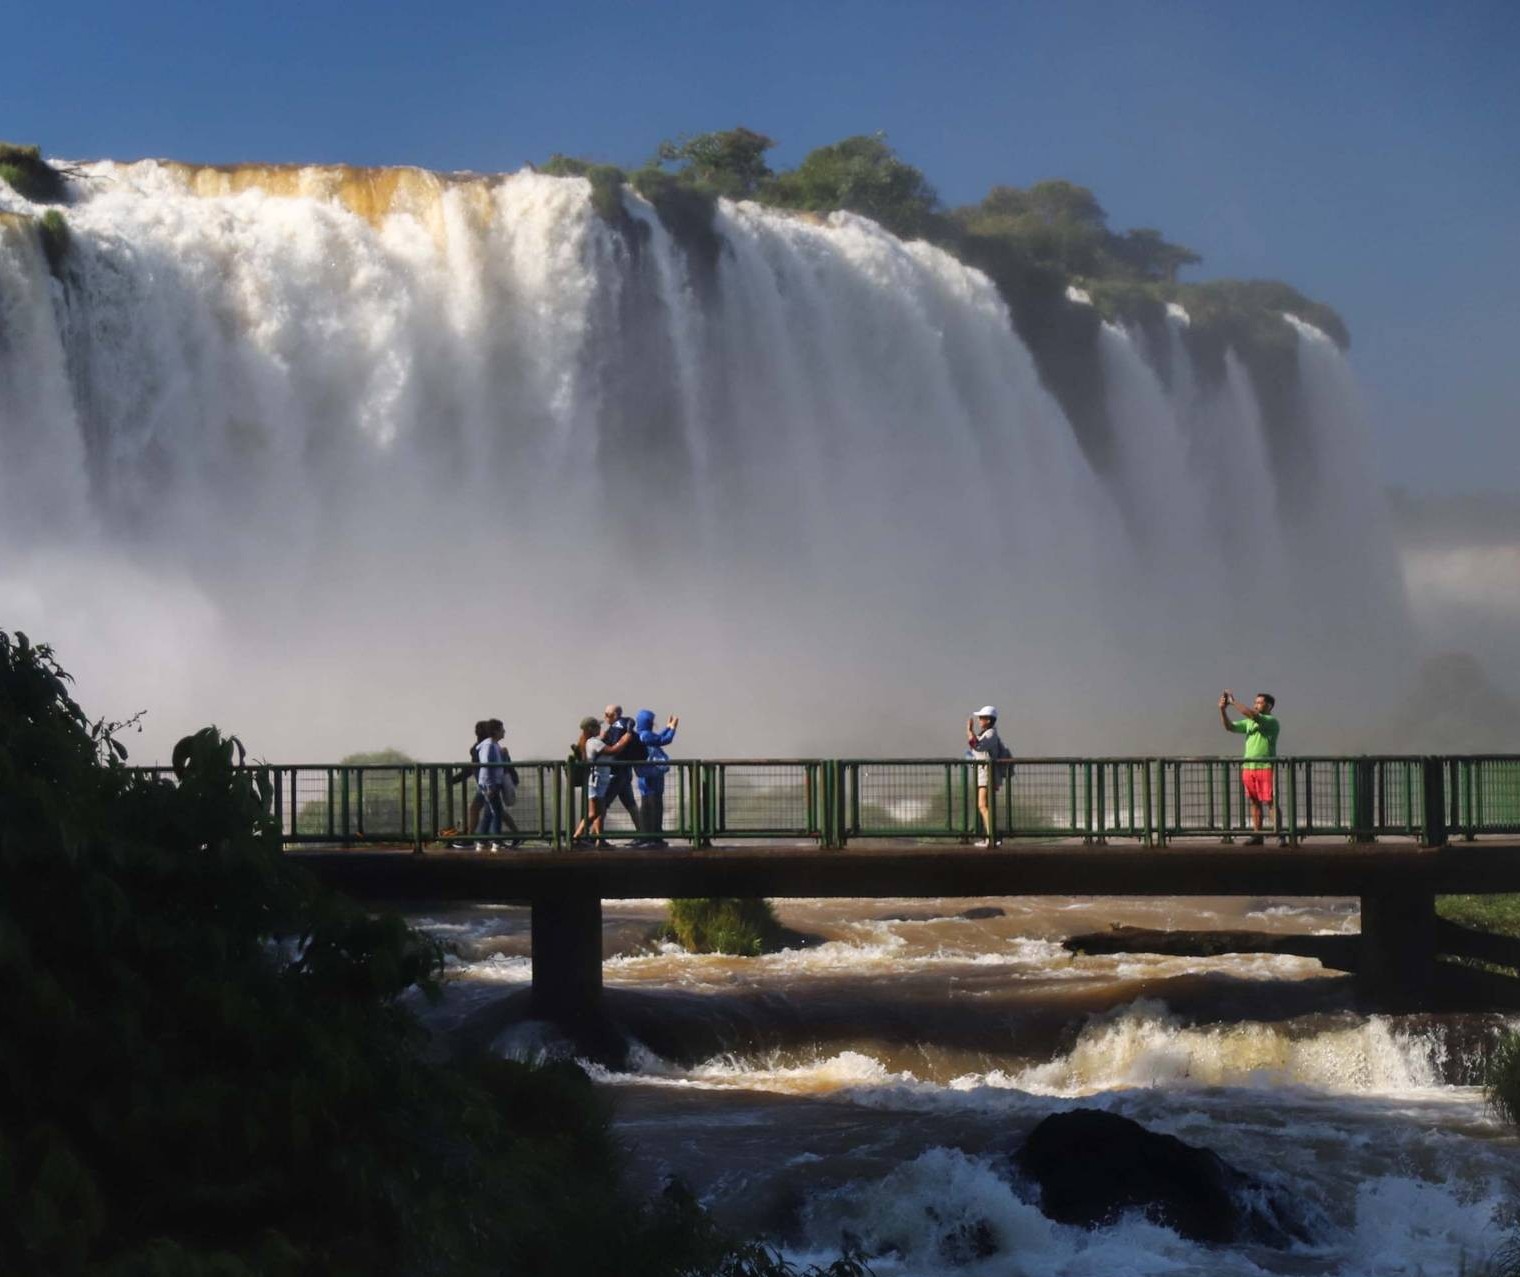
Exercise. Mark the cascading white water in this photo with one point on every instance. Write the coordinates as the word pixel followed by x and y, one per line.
pixel 412 449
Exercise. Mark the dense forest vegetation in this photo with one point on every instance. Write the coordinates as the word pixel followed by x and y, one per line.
pixel 209 1068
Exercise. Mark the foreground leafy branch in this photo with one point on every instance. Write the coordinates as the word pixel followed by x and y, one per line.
pixel 208 1065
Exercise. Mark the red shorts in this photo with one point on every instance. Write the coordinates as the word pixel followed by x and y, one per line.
pixel 1258 782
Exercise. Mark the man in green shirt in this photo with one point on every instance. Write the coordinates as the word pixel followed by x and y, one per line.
pixel 1260 729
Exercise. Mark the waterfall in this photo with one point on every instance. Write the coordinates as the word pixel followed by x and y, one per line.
pixel 409 447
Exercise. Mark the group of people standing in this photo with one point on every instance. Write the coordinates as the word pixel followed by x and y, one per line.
pixel 614 739
pixel 638 745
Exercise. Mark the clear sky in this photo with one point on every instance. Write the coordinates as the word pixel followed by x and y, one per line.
pixel 1368 153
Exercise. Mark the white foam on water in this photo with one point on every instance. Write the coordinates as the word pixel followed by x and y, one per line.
pixel 1145 1046
pixel 947 1211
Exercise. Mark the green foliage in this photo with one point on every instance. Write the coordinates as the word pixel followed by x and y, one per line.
pixel 1499 914
pixel 862 175
pixel 390 756
pixel 1061 225
pixel 1503 1081
pixel 606 184
pixel 30 176
pixel 721 924
pixel 205 1069
pixel 53 229
pixel 730 163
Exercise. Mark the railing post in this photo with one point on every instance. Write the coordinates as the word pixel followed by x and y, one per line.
pixel 1228 789
pixel 704 804
pixel 556 835
pixel 852 788
pixel 1152 834
pixel 1292 804
pixel 1435 802
pixel 1087 790
pixel 416 807
pixel 1277 814
pixel 825 803
pixel 1071 785
pixel 1363 785
pixel 1102 808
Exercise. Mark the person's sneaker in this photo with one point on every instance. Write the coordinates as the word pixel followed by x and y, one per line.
pixel 1256 840
pixel 579 844
pixel 655 842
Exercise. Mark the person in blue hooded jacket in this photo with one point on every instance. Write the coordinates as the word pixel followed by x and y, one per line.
pixel 651 774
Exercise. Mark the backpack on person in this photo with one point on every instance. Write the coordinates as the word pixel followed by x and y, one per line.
pixel 578 770
pixel 1003 765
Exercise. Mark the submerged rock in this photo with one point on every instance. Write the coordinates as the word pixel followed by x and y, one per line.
pixel 1092 1167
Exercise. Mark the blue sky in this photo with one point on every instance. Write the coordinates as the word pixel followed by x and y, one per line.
pixel 1368 153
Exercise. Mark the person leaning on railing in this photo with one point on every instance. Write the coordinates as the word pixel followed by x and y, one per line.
pixel 1261 727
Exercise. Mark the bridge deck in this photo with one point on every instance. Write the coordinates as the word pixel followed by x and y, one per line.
pixel 899 868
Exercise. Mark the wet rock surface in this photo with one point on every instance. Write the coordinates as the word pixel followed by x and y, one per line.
pixel 1091 1167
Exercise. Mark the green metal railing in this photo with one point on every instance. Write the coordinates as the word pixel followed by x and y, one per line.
pixel 834 801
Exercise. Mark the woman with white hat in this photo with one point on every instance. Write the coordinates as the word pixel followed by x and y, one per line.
pixel 984 743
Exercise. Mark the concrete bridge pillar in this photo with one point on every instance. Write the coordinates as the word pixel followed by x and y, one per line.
pixel 567 961
pixel 1397 963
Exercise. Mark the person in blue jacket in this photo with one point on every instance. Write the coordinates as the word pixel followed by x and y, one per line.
pixel 651 774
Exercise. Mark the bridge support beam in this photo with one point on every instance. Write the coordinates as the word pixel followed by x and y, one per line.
pixel 1397 963
pixel 567 962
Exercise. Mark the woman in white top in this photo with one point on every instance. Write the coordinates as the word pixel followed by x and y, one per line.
pixel 983 742
pixel 590 746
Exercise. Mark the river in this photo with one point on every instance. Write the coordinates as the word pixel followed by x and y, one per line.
pixel 868 1086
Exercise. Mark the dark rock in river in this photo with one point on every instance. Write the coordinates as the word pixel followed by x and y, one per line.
pixel 982 911
pixel 1092 1167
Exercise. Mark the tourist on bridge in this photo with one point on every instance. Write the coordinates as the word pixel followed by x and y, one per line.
pixel 1260 727
pixel 651 775
pixel 496 782
pixel 984 743
pixel 623 742
pixel 482 732
pixel 594 750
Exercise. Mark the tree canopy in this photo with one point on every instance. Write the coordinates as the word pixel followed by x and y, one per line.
pixel 730 163
pixel 862 175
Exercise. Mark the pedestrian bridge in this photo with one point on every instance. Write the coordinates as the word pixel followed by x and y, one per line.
pixel 1392 831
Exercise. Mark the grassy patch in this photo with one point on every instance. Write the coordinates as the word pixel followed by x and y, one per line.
pixel 720 924
pixel 30 176
pixel 1498 914
pixel 53 229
